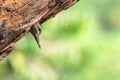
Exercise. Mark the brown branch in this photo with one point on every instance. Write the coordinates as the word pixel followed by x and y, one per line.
pixel 17 17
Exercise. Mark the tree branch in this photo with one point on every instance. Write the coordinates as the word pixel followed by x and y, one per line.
pixel 17 17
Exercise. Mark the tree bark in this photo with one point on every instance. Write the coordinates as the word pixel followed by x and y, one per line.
pixel 17 17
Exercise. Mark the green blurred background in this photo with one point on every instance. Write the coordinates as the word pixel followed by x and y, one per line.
pixel 81 43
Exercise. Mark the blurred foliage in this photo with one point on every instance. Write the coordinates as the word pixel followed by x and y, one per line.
pixel 81 43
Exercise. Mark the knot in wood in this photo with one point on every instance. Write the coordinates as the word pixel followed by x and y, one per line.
pixel 52 3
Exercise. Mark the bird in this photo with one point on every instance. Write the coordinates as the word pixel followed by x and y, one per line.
pixel 36 30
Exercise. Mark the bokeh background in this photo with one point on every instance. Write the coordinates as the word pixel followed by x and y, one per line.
pixel 81 43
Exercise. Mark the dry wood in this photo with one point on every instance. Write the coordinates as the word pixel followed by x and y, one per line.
pixel 17 17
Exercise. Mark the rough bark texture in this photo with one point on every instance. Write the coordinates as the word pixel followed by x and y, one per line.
pixel 17 17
